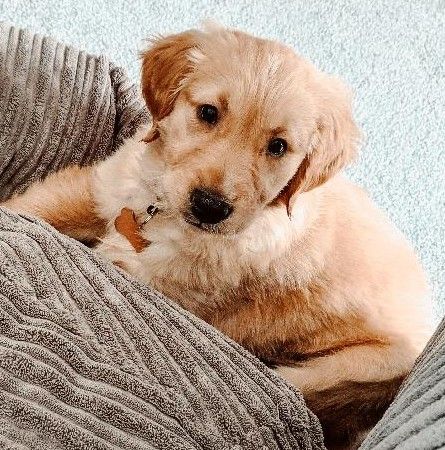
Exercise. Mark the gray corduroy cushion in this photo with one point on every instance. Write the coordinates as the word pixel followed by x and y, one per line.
pixel 416 418
pixel 58 105
pixel 89 358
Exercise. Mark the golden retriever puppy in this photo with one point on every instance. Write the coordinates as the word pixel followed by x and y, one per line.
pixel 257 232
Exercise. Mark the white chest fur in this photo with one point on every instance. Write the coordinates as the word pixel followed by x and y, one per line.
pixel 198 261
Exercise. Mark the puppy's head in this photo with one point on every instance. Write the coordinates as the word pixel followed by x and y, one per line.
pixel 241 123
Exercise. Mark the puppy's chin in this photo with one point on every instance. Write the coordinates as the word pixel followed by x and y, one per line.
pixel 219 229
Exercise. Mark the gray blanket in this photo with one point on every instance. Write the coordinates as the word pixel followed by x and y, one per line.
pixel 89 358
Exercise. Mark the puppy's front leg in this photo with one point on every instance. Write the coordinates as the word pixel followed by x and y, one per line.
pixel 65 200
pixel 349 390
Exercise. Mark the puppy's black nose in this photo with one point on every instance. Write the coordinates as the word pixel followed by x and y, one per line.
pixel 209 207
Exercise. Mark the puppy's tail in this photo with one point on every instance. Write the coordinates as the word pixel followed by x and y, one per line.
pixel 348 410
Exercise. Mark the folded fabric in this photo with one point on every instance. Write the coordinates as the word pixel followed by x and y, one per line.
pixel 92 359
pixel 416 418
pixel 58 106
pixel 89 358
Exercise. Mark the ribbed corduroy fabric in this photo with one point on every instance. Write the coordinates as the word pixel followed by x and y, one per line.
pixel 416 418
pixel 58 105
pixel 89 358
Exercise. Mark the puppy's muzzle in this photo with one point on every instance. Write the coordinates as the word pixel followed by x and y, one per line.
pixel 209 207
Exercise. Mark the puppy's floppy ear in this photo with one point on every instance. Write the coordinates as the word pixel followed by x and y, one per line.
pixel 333 144
pixel 164 66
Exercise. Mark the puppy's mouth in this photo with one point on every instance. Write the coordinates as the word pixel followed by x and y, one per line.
pixel 206 227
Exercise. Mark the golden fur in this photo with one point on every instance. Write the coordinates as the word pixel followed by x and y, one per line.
pixel 65 200
pixel 306 273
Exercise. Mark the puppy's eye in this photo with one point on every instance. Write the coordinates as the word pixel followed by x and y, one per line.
pixel 208 113
pixel 277 147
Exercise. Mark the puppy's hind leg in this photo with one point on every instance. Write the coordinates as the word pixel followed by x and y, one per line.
pixel 65 200
pixel 350 389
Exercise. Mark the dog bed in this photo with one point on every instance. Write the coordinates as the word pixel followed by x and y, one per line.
pixel 92 359
pixel 89 358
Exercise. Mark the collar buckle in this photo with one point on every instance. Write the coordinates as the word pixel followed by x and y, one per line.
pixel 152 210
